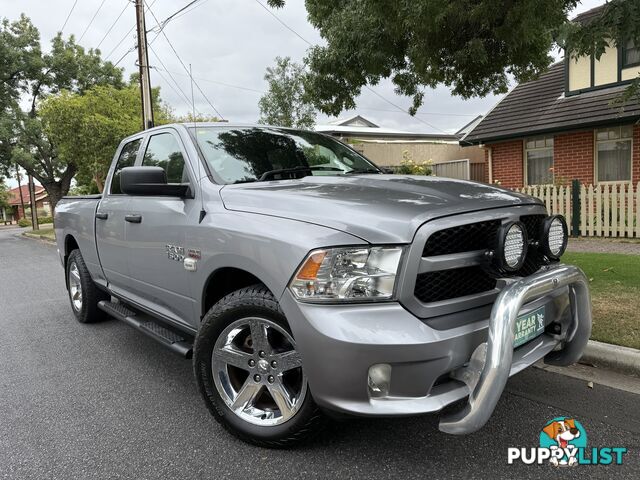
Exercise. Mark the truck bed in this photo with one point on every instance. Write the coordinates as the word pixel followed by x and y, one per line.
pixel 76 216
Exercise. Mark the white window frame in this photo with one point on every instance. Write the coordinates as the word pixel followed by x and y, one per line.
pixel 548 145
pixel 620 138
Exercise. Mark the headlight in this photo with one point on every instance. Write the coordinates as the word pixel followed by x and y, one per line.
pixel 347 274
pixel 555 235
pixel 512 246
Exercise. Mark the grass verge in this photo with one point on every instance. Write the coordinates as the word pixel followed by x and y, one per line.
pixel 615 293
pixel 47 233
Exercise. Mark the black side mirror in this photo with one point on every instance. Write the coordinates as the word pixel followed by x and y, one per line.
pixel 150 181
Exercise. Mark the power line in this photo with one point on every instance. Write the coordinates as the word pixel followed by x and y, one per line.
pixel 266 9
pixel 164 22
pixel 91 21
pixel 191 9
pixel 184 95
pixel 113 24
pixel 184 66
pixel 230 85
pixel 124 38
pixel 68 16
pixel 442 114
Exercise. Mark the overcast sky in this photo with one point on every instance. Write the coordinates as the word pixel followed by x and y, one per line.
pixel 230 43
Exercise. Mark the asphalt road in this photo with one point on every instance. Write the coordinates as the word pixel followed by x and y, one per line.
pixel 104 401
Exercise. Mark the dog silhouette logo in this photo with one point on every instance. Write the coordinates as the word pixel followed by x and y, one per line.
pixel 563 436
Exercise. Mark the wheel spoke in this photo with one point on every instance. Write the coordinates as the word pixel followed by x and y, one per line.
pixel 246 396
pixel 287 360
pixel 259 339
pixel 75 274
pixel 280 395
pixel 233 357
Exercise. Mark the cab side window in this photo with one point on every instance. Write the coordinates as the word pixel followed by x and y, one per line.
pixel 127 158
pixel 164 151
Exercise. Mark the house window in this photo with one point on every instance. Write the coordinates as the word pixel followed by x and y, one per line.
pixel 539 160
pixel 613 154
pixel 630 55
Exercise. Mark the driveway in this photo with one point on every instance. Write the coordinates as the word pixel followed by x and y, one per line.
pixel 104 401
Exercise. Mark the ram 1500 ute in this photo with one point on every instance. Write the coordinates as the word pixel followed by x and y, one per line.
pixel 303 280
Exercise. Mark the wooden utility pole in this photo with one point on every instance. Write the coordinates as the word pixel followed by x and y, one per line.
pixel 143 63
pixel 24 212
pixel 32 201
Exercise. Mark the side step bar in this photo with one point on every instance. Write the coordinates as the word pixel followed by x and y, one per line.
pixel 147 325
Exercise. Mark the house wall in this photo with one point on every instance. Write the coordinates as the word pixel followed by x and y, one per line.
pixel 391 154
pixel 507 163
pixel 605 71
pixel 579 73
pixel 573 158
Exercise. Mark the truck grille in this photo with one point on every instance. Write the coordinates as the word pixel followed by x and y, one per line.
pixel 445 284
pixel 435 286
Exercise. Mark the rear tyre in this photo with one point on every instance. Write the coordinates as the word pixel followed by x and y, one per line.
pixel 250 374
pixel 83 293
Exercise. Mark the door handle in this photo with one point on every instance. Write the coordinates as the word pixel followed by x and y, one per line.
pixel 131 218
pixel 102 215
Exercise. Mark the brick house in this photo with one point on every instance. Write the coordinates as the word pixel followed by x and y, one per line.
pixel 563 125
pixel 15 212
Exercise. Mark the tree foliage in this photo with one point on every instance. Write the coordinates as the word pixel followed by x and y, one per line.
pixel 29 73
pixel 87 128
pixel 285 103
pixel 4 194
pixel 471 46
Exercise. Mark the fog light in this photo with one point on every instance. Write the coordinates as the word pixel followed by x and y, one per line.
pixel 512 247
pixel 555 235
pixel 379 380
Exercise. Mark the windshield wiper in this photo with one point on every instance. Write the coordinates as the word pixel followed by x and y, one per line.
pixel 363 170
pixel 268 175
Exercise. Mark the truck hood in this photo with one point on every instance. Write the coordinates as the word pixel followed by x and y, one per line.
pixel 376 208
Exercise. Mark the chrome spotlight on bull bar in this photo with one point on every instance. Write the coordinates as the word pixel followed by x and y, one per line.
pixel 488 370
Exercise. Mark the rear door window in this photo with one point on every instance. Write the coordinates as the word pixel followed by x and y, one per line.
pixel 127 158
pixel 164 151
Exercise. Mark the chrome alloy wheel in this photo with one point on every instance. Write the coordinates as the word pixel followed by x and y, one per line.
pixel 258 372
pixel 75 287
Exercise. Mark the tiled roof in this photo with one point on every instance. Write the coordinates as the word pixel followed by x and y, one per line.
pixel 539 106
pixel 14 194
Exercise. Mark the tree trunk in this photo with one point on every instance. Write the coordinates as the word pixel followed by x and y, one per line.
pixel 98 179
pixel 56 189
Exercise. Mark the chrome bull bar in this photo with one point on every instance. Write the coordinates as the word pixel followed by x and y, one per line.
pixel 488 370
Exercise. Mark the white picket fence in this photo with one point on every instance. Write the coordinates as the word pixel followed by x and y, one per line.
pixel 605 210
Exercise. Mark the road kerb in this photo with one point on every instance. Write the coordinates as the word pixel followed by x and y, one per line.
pixel 613 357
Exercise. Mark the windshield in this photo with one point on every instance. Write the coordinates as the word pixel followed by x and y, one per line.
pixel 251 154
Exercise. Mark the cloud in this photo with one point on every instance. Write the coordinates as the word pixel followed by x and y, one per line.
pixel 232 42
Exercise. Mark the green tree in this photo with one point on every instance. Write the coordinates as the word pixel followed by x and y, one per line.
pixel 285 102
pixel 471 46
pixel 30 74
pixel 4 194
pixel 87 128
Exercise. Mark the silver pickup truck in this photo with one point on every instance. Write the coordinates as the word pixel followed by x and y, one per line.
pixel 305 281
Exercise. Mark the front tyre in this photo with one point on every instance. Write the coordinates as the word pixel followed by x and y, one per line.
pixel 250 373
pixel 83 293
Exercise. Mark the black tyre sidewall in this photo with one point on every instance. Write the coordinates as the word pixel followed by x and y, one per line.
pixel 91 295
pixel 249 302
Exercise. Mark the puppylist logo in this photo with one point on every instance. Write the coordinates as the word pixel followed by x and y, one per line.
pixel 563 443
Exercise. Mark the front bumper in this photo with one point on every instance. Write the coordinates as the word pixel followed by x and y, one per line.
pixel 433 368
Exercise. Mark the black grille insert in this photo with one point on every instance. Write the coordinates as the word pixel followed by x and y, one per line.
pixel 463 238
pixel 446 284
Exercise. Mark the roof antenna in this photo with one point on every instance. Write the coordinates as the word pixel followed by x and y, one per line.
pixel 203 212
